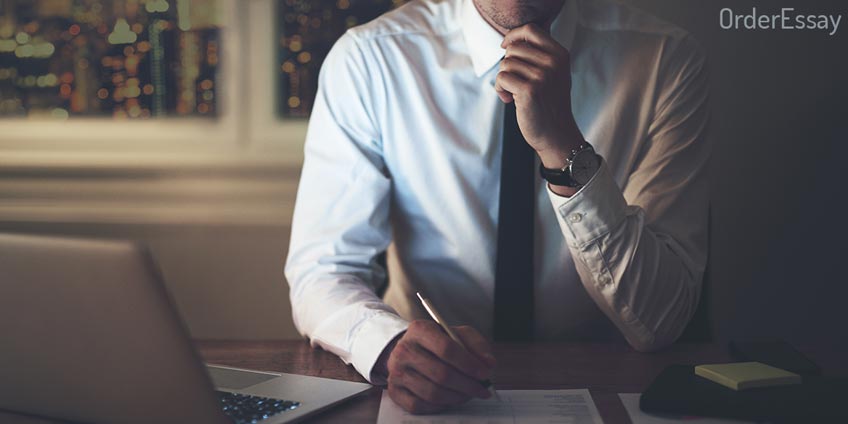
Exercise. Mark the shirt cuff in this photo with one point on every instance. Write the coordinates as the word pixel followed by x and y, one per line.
pixel 372 338
pixel 593 211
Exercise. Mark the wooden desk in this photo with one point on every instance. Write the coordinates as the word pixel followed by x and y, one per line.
pixel 603 368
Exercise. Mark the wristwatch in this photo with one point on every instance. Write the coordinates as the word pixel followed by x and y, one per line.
pixel 580 166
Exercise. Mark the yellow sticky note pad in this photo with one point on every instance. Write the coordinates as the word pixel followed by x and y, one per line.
pixel 747 375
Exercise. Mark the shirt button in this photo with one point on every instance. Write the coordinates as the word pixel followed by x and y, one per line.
pixel 575 217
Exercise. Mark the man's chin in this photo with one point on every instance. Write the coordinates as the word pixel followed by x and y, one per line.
pixel 529 17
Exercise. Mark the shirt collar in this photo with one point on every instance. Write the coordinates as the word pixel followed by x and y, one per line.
pixel 484 42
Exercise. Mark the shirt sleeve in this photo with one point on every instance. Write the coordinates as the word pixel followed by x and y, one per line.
pixel 641 251
pixel 340 219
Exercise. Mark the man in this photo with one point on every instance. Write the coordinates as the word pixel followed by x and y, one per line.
pixel 429 128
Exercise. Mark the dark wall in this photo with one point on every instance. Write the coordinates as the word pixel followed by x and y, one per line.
pixel 780 128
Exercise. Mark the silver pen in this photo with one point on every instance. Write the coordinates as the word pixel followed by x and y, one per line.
pixel 438 318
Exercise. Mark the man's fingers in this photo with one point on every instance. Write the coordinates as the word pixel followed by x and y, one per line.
pixel 524 69
pixel 477 344
pixel 446 375
pixel 532 55
pixel 533 34
pixel 504 95
pixel 514 84
pixel 431 337
pixel 408 401
pixel 519 68
pixel 420 385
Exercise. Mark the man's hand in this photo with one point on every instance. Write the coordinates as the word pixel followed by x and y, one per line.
pixel 429 372
pixel 536 74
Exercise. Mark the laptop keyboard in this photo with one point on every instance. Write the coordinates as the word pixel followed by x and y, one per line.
pixel 247 409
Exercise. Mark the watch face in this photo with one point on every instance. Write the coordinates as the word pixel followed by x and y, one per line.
pixel 584 166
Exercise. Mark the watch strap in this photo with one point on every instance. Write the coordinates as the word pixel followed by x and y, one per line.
pixel 562 177
pixel 557 176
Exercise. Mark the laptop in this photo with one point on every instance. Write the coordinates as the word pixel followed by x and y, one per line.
pixel 89 334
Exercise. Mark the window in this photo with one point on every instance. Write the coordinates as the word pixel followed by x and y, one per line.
pixel 118 76
pixel 306 30
pixel 124 59
pixel 153 58
pixel 160 111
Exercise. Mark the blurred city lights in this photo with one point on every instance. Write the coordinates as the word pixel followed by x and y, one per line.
pixel 153 58
pixel 61 59
pixel 307 29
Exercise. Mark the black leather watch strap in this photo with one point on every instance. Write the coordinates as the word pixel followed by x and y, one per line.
pixel 562 177
pixel 557 176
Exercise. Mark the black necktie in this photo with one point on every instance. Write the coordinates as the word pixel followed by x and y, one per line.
pixel 514 269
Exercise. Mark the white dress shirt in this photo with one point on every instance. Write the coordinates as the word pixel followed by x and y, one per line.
pixel 404 145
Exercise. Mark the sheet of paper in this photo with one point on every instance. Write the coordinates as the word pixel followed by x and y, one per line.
pixel 631 404
pixel 518 406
